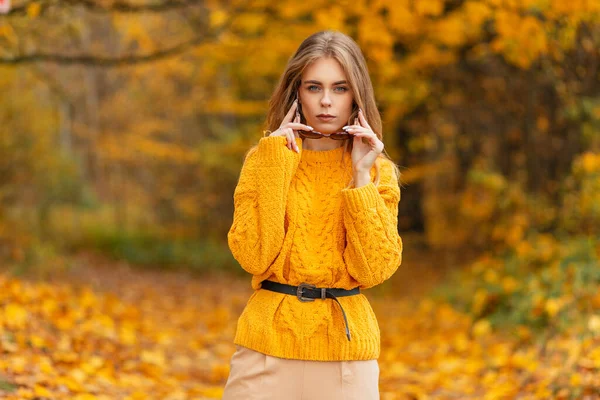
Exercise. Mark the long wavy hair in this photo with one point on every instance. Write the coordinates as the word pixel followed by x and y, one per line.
pixel 346 52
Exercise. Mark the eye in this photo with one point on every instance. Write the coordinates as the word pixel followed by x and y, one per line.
pixel 342 89
pixel 310 88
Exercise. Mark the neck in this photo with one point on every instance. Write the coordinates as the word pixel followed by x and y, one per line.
pixel 323 144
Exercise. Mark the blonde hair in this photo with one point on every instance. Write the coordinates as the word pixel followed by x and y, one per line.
pixel 346 52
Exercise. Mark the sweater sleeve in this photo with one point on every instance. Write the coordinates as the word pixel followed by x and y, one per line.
pixel 373 246
pixel 257 232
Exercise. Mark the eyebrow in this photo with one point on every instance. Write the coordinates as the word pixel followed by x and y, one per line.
pixel 319 83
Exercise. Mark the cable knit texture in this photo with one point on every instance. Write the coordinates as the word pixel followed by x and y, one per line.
pixel 296 221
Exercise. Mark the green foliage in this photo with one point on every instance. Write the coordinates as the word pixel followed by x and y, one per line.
pixel 7 386
pixel 553 283
pixel 158 251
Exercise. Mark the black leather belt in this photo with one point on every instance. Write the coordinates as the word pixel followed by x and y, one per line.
pixel 307 292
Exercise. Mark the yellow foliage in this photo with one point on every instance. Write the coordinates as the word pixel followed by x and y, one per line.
pixel 509 284
pixel 553 306
pixel 136 32
pixel 450 31
pixel 372 34
pixel 482 328
pixel 431 8
pixel 41 391
pixel 587 163
pixel 217 18
pixel 524 333
pixel 249 22
pixel 479 301
pixel 594 324
pixel 331 18
pixel 14 316
pixel 33 9
pixel 417 335
pixel 521 39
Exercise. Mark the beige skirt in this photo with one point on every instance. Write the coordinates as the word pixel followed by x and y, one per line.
pixel 257 376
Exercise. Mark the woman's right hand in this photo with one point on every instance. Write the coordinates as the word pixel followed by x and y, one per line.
pixel 289 127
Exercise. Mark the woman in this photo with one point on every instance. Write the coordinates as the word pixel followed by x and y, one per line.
pixel 315 221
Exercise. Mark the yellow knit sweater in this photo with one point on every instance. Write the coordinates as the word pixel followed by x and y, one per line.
pixel 295 221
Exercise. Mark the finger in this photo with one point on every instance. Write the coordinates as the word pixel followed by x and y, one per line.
pixel 357 128
pixel 370 136
pixel 296 120
pixel 372 139
pixel 290 115
pixel 294 144
pixel 363 120
pixel 353 127
pixel 288 142
pixel 291 140
pixel 354 130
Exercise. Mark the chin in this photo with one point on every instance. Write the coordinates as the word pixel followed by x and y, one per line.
pixel 327 128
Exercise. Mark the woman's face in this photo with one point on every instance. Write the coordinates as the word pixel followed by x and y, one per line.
pixel 325 95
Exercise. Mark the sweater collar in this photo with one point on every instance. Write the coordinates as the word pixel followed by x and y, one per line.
pixel 324 156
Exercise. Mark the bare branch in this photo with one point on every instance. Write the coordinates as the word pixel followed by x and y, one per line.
pixel 109 62
pixel 117 7
pixel 100 61
pixel 128 60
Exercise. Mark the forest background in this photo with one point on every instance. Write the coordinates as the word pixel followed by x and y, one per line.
pixel 123 126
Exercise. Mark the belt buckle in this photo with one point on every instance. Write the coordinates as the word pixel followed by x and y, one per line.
pixel 300 289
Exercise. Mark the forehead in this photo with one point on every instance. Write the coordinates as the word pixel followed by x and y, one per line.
pixel 325 70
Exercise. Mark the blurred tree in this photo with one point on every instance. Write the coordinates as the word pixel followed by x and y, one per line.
pixel 486 103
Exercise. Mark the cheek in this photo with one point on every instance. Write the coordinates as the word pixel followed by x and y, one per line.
pixel 348 106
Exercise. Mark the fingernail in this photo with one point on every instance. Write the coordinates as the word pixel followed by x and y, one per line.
pixel 360 110
pixel 311 128
pixel 345 127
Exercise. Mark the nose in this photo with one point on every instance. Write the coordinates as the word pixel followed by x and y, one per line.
pixel 326 100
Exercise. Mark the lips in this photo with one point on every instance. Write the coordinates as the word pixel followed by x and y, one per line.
pixel 325 117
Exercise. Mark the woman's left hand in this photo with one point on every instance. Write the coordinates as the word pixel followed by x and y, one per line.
pixel 363 154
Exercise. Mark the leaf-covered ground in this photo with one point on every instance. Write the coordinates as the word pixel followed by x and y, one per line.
pixel 107 331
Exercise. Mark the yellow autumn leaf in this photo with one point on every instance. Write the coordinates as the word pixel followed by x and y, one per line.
pixel 553 306
pixel 482 328
pixel 429 7
pixel 153 357
pixel 128 334
pixel 78 375
pixel 37 341
pixel 33 9
pixel 212 393
pixel 41 391
pixel 217 18
pixel 509 284
pixel 15 316
pixel 479 301
pixel 524 332
pixel 594 324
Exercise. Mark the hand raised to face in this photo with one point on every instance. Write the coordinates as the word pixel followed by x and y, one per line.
pixel 364 153
pixel 289 127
